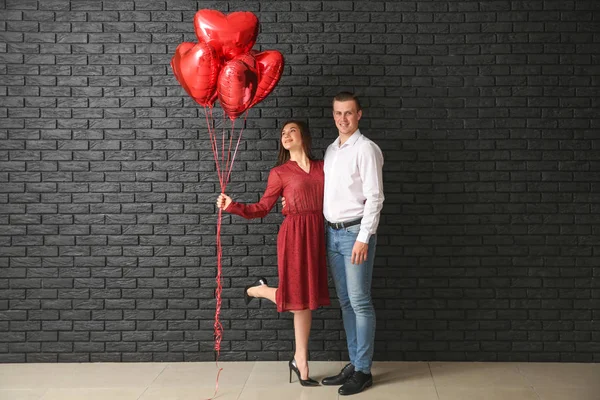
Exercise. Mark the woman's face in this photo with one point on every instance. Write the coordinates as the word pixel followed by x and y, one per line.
pixel 291 138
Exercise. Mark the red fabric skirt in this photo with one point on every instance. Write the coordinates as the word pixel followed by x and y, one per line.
pixel 302 263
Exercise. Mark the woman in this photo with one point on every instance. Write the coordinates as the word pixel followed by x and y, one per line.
pixel 301 251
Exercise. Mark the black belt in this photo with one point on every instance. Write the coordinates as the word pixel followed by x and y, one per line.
pixel 342 225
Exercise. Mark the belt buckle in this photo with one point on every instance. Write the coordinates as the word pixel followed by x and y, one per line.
pixel 337 225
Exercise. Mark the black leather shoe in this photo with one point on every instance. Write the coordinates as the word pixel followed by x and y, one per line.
pixel 340 378
pixel 358 382
pixel 258 282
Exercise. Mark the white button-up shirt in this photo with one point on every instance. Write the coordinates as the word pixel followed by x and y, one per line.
pixel 354 183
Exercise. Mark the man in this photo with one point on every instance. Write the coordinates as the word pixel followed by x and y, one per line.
pixel 352 204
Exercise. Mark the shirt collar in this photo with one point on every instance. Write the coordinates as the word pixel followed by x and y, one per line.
pixel 351 140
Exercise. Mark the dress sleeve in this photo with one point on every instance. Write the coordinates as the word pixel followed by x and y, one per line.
pixel 265 204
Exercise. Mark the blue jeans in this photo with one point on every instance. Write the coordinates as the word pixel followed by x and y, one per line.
pixel 353 286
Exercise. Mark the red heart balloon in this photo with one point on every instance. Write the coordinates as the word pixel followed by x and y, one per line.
pixel 176 60
pixel 270 68
pixel 196 66
pixel 237 85
pixel 229 35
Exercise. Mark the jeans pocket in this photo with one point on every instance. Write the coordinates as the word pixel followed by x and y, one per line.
pixel 354 229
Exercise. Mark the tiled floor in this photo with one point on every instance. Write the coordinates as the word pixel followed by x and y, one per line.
pixel 269 381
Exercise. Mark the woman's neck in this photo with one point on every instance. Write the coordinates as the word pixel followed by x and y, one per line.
pixel 300 157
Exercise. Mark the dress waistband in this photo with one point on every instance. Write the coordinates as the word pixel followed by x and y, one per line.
pixel 317 212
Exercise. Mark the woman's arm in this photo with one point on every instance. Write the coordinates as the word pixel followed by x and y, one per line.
pixel 265 204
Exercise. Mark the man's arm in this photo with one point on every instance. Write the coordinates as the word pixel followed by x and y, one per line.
pixel 370 167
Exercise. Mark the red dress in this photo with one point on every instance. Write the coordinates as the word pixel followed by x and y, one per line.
pixel 301 252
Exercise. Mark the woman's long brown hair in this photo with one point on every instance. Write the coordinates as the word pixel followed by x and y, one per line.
pixel 284 155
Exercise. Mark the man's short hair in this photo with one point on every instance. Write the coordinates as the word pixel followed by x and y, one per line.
pixel 347 96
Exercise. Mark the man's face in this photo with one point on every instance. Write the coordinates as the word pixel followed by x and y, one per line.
pixel 346 116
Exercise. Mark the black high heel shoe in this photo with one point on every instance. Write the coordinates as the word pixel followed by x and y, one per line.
pixel 258 282
pixel 304 382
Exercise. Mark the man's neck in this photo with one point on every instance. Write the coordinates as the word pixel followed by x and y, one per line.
pixel 344 136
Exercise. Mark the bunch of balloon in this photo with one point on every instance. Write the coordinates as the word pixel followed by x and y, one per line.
pixel 222 65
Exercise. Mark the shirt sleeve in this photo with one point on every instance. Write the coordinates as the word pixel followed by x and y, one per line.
pixel 370 167
pixel 265 204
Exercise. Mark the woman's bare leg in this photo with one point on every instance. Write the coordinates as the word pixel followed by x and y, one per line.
pixel 263 291
pixel 302 324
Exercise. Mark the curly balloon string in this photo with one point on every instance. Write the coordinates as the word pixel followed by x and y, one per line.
pixel 223 174
pixel 237 144
pixel 218 328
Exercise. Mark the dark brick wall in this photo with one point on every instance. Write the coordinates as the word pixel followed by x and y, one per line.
pixel 488 116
